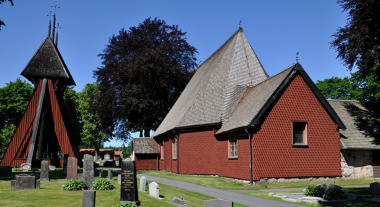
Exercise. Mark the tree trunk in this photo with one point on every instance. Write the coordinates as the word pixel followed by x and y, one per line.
pixel 146 132
pixel 141 133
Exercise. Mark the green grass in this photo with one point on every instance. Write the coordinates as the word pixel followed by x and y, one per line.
pixel 364 192
pixel 228 183
pixel 51 194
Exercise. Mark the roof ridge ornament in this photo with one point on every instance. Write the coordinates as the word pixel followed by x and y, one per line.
pixel 297 57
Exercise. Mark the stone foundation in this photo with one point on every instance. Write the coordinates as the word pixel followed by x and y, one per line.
pixel 356 164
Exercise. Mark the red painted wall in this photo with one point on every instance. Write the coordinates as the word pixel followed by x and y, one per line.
pixel 197 153
pixel 236 168
pixel 146 161
pixel 272 146
pixel 19 145
pixel 273 151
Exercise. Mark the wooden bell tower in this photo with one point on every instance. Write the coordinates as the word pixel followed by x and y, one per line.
pixel 42 133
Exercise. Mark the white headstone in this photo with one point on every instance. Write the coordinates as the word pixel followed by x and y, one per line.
pixel 119 179
pixel 142 184
pixel 25 167
pixel 154 190
pixel 107 157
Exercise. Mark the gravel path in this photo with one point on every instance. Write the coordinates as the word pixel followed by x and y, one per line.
pixel 235 196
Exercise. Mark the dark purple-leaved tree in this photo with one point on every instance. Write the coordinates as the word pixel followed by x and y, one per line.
pixel 144 70
pixel 358 43
pixel 2 1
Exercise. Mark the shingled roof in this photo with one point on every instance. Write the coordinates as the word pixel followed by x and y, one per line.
pixel 259 99
pixel 360 132
pixel 145 146
pixel 47 62
pixel 216 86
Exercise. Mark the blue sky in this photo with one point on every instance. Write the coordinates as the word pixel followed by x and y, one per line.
pixel 275 29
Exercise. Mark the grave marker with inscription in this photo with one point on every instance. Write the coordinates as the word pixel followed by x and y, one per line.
pixel 44 171
pixel 72 168
pixel 88 170
pixel 128 187
pixel 109 175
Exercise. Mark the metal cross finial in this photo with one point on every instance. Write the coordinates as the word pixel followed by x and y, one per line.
pixel 49 32
pixel 297 56
pixel 240 24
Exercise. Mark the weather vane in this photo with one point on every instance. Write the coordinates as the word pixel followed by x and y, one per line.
pixel 297 56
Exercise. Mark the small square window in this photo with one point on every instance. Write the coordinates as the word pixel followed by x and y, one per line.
pixel 299 133
pixel 232 148
pixel 174 149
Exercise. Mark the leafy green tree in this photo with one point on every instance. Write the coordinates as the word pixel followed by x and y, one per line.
pixel 92 134
pixel 351 88
pixel 72 115
pixel 143 72
pixel 14 98
pixel 358 43
pixel 2 1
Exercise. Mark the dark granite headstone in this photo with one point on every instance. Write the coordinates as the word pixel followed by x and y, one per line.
pixel 88 199
pixel 374 188
pixel 88 170
pixel 44 171
pixel 5 171
pixel 72 168
pixel 65 157
pixel 128 187
pixel 109 175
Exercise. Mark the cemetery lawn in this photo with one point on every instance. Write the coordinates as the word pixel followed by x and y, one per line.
pixel 231 184
pixel 51 194
pixel 363 192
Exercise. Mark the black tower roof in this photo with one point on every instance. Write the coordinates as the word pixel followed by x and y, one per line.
pixel 47 62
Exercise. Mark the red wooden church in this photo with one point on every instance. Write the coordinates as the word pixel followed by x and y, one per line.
pixel 42 133
pixel 233 120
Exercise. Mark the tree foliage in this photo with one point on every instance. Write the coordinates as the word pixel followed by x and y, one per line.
pixel 72 115
pixel 2 1
pixel 351 88
pixel 358 43
pixel 14 98
pixel 92 134
pixel 144 70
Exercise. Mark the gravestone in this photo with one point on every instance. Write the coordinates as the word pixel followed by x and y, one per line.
pixel 374 188
pixel 109 175
pixel 25 181
pixel 179 201
pixel 100 173
pixel 72 168
pixel 128 186
pixel 44 171
pixel 25 167
pixel 88 199
pixel 142 184
pixel 119 179
pixel 52 168
pixel 88 170
pixel 218 203
pixel 107 157
pixel 154 190
pixel 5 171
pixel 65 157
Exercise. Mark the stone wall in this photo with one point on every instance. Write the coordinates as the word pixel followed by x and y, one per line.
pixel 356 163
